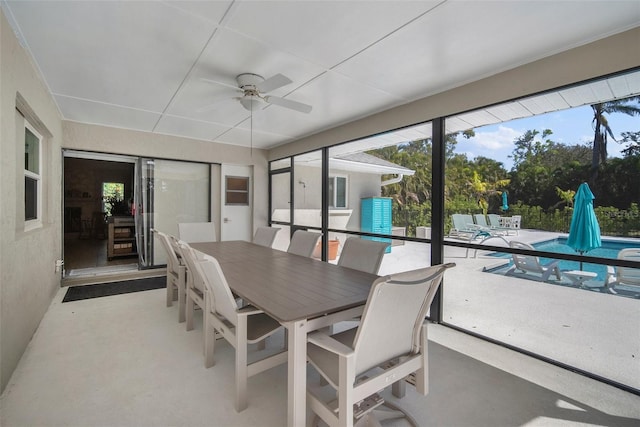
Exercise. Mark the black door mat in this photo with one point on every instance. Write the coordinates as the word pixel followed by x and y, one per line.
pixel 77 293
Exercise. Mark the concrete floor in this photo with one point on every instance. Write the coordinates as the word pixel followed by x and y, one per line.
pixel 126 361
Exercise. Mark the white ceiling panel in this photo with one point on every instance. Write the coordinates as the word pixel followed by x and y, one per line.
pixel 125 53
pixel 179 126
pixel 79 110
pixel 141 64
pixel 461 41
pixel 324 32
pixel 257 139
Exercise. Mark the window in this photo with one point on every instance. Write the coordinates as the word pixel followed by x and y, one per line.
pixel 237 190
pixel 338 192
pixel 32 177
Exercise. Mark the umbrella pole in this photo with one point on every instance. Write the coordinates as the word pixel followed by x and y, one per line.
pixel 581 253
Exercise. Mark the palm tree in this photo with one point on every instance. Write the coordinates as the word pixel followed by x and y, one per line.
pixel 602 130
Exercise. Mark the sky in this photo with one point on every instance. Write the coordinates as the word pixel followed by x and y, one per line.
pixel 569 127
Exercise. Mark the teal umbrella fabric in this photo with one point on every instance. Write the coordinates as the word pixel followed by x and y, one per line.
pixel 505 205
pixel 584 233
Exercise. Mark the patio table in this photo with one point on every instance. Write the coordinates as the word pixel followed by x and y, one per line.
pixel 303 294
pixel 578 277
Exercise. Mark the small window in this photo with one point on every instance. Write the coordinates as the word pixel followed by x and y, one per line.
pixel 338 192
pixel 236 190
pixel 32 177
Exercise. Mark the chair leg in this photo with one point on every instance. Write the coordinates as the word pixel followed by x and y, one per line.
pixel 209 343
pixel 190 310
pixel 241 364
pixel 169 291
pixel 182 296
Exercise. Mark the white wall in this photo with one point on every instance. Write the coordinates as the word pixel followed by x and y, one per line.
pixel 28 279
pixel 26 293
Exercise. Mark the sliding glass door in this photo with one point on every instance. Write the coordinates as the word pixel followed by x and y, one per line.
pixel 171 192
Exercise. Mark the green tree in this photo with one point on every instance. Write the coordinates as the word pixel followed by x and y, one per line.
pixel 602 130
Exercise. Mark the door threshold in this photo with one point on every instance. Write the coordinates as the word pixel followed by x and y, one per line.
pixel 91 276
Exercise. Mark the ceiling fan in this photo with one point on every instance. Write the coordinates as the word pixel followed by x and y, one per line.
pixel 254 89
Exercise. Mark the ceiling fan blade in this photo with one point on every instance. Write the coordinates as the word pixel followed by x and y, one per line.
pixel 273 83
pixel 287 103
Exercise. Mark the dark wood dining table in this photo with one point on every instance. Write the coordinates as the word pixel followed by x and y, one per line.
pixel 303 294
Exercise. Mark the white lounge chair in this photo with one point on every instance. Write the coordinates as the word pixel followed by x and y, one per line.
pixel 624 276
pixel 531 264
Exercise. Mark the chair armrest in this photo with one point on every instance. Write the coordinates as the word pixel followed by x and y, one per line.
pixel 326 342
pixel 249 310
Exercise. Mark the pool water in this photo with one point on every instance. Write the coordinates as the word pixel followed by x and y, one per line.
pixel 609 249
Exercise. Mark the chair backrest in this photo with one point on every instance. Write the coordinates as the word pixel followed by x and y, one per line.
pixel 461 221
pixel 525 262
pixel 626 275
pixel 173 263
pixel 394 316
pixel 494 220
pixel 515 221
pixel 217 288
pixel 362 254
pixel 194 232
pixel 265 236
pixel 481 220
pixel 303 243
pixel 191 259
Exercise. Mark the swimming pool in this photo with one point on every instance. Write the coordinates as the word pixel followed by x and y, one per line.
pixel 609 249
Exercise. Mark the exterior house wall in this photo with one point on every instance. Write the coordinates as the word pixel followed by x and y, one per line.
pixel 28 280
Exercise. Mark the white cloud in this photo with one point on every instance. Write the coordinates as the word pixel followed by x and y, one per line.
pixel 499 139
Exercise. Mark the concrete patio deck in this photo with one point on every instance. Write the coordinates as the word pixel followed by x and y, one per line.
pixel 593 331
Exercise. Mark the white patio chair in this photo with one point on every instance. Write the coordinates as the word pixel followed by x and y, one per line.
pixel 388 345
pixel 531 264
pixel 195 281
pixel 194 232
pixel 362 254
pixel 303 243
pixel 624 276
pixel 265 236
pixel 240 326
pixel 176 275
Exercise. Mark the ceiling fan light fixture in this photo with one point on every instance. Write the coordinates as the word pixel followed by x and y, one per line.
pixel 250 103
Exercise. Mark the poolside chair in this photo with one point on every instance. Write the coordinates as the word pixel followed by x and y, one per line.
pixel 176 274
pixel 240 326
pixel 465 228
pixel 531 264
pixel 624 276
pixel 388 345
pixel 494 224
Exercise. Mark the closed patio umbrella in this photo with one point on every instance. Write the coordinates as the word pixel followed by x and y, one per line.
pixel 584 233
pixel 505 205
